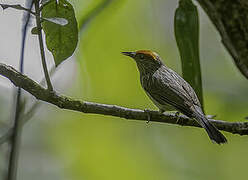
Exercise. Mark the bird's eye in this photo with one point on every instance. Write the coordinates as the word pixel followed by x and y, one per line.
pixel 142 56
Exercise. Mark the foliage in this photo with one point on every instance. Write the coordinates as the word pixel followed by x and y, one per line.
pixel 94 147
pixel 61 40
pixel 186 27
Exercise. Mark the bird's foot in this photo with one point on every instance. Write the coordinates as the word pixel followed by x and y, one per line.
pixel 178 117
pixel 148 112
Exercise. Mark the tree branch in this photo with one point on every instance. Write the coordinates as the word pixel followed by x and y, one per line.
pixel 231 20
pixel 64 102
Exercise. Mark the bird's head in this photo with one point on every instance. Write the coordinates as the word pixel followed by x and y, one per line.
pixel 147 61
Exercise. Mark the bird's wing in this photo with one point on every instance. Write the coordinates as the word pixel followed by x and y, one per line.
pixel 174 90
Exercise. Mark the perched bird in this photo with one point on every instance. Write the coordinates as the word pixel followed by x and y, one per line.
pixel 170 92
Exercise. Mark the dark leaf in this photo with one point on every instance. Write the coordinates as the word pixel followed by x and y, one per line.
pixel 61 30
pixel 186 24
pixel 34 30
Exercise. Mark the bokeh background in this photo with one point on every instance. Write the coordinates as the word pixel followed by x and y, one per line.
pixel 61 144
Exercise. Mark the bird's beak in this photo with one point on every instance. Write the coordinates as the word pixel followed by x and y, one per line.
pixel 131 54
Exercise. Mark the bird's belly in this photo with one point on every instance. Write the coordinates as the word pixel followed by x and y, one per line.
pixel 163 107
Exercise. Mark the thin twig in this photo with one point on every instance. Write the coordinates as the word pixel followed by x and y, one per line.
pixel 16 139
pixel 42 51
pixel 16 6
pixel 17 130
pixel 64 102
pixel 24 118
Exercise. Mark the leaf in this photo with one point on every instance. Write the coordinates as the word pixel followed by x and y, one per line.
pixel 186 27
pixel 62 33
pixel 34 30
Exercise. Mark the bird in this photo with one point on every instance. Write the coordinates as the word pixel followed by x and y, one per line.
pixel 170 92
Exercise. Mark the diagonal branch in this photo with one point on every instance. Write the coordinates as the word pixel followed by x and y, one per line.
pixel 231 20
pixel 64 102
pixel 42 51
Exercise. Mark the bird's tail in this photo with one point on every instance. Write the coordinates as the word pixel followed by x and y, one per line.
pixel 213 133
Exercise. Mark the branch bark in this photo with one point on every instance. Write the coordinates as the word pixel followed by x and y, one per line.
pixel 231 20
pixel 65 102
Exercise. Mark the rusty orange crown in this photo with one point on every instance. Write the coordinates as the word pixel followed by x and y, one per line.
pixel 148 52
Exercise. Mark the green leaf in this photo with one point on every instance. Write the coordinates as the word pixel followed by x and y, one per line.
pixel 34 30
pixel 186 26
pixel 61 37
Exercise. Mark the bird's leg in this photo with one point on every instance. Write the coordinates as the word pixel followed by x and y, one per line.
pixel 178 117
pixel 148 112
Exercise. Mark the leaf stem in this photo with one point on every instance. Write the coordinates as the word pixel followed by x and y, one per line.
pixel 42 51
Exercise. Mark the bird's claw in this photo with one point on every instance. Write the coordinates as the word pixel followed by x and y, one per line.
pixel 178 117
pixel 148 112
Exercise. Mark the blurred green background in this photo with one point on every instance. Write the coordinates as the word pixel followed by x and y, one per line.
pixel 80 146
